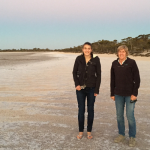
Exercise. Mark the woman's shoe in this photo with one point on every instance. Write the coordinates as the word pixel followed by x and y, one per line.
pixel 79 136
pixel 89 137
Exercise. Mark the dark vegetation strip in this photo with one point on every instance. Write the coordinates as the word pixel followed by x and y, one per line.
pixel 138 46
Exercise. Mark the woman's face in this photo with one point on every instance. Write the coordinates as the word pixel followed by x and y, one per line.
pixel 122 54
pixel 87 50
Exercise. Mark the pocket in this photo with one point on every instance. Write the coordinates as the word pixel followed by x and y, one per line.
pixel 93 74
pixel 93 79
pixel 92 63
pixel 78 73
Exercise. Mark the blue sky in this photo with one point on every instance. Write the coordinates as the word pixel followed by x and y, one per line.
pixel 57 24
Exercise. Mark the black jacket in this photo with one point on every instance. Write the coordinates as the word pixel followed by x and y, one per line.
pixel 88 74
pixel 125 78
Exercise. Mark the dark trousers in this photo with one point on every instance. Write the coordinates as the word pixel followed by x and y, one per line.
pixel 81 96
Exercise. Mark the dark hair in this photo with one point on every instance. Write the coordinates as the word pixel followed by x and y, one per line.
pixel 87 43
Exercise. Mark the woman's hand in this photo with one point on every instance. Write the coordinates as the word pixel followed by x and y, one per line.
pixel 113 97
pixel 95 94
pixel 78 88
pixel 133 98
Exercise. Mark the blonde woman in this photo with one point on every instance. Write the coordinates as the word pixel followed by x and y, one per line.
pixel 125 81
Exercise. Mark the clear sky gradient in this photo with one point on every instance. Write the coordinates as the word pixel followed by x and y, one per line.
pixel 57 24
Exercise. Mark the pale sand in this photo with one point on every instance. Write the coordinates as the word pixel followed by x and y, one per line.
pixel 38 107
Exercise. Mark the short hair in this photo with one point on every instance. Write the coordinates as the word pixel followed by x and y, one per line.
pixel 121 48
pixel 87 43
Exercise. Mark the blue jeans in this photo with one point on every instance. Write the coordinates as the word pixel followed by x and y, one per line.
pixel 120 102
pixel 81 96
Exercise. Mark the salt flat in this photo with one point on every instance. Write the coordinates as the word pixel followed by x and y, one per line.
pixel 38 106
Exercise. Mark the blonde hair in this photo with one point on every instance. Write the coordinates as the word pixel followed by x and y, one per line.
pixel 123 47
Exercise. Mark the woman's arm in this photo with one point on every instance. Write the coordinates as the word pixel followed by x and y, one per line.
pixel 75 69
pixel 112 81
pixel 98 73
pixel 136 79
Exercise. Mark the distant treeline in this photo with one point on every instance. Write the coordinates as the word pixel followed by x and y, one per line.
pixel 27 50
pixel 139 45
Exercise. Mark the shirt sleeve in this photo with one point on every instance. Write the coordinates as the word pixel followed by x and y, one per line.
pixel 98 73
pixel 136 79
pixel 112 81
pixel 75 69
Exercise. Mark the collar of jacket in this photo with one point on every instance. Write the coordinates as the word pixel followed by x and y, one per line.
pixel 83 58
pixel 92 55
pixel 124 60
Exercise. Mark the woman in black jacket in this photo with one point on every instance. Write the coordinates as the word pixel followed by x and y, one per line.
pixel 87 78
pixel 125 81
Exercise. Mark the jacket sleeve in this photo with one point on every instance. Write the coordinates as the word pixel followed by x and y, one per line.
pixel 75 69
pixel 98 73
pixel 112 81
pixel 136 79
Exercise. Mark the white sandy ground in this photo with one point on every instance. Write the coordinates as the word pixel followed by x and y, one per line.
pixel 38 107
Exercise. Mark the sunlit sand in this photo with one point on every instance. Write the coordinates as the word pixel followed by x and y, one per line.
pixel 38 106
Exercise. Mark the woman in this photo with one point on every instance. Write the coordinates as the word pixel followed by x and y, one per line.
pixel 125 81
pixel 87 78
